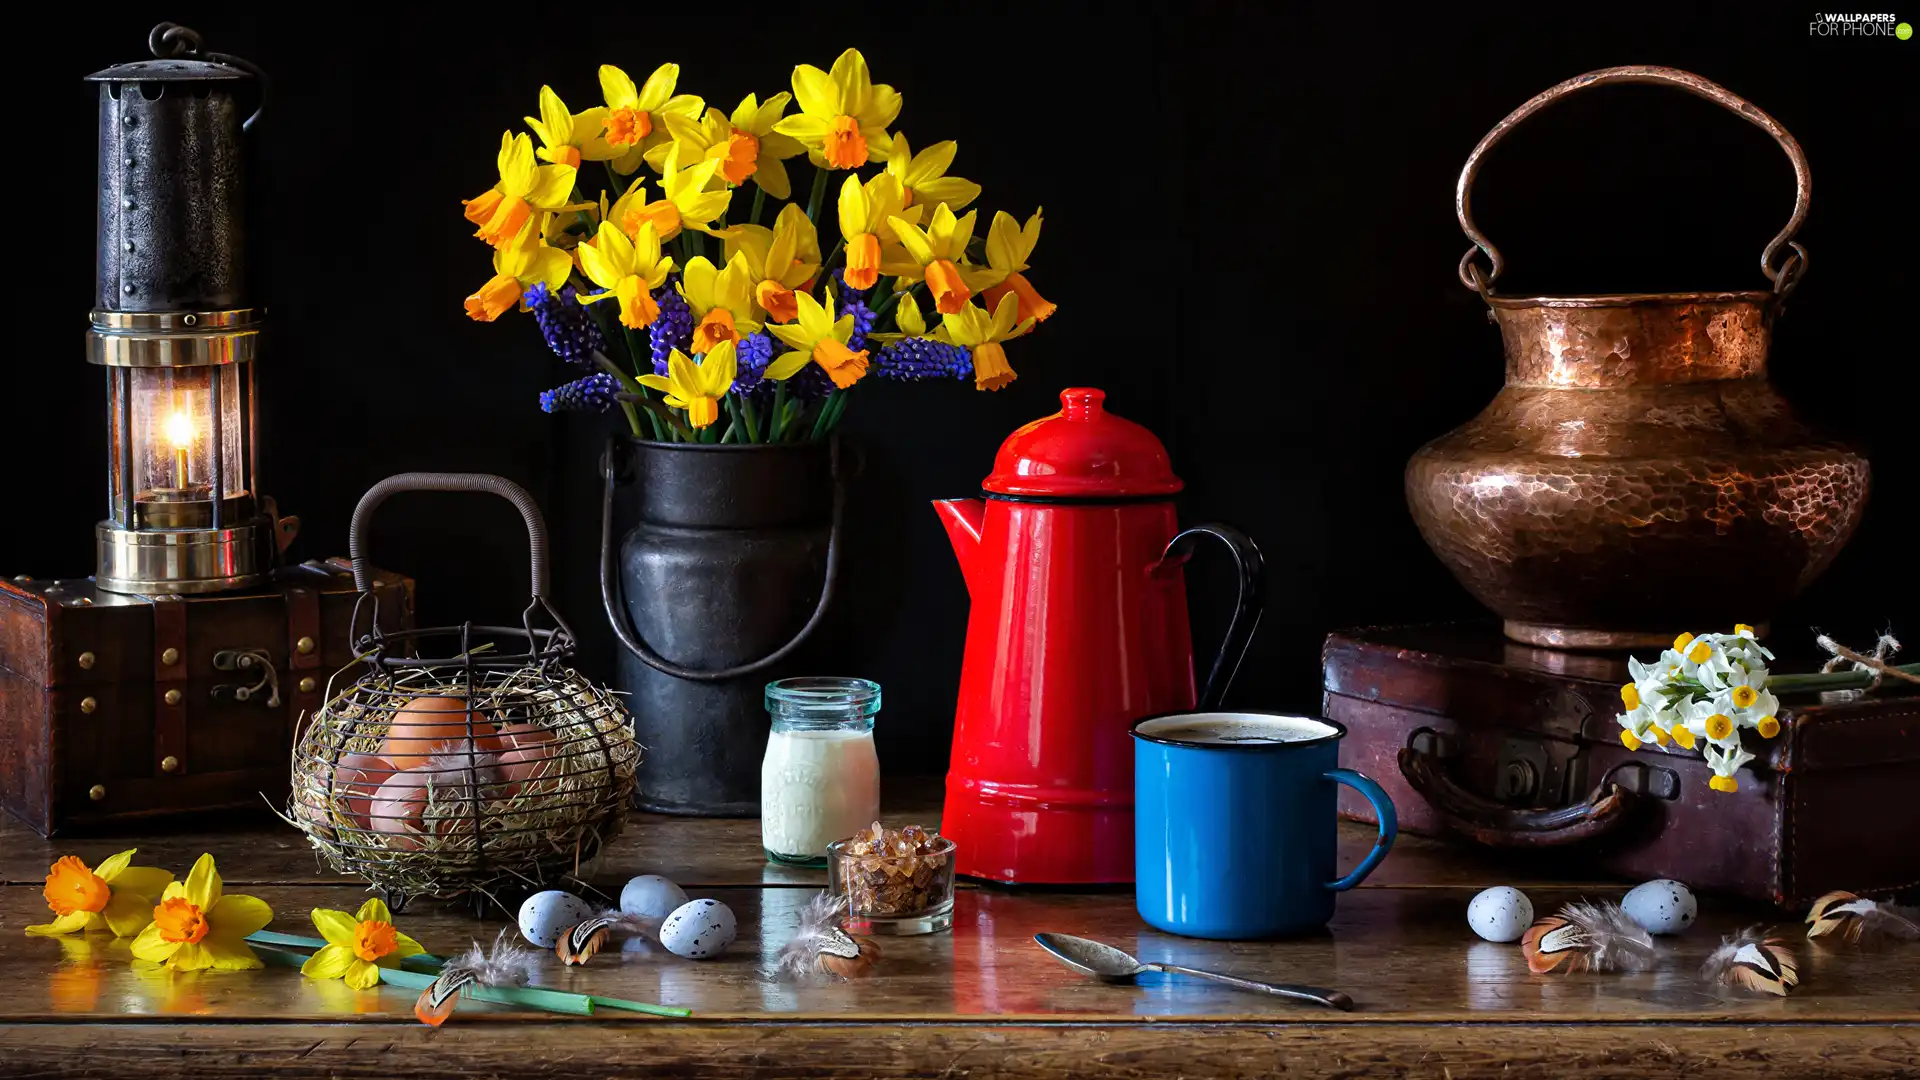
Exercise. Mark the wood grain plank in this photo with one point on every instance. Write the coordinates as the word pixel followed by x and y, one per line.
pixel 1405 955
pixel 258 848
pixel 1014 1052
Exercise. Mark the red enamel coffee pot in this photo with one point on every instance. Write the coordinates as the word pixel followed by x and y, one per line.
pixel 1079 627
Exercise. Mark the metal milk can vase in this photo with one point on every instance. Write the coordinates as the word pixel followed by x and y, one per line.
pixel 721 587
pixel 1638 475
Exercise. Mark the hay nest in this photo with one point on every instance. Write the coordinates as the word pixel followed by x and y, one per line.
pixel 527 781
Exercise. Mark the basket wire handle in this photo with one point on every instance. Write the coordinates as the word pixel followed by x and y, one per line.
pixel 1784 278
pixel 453 482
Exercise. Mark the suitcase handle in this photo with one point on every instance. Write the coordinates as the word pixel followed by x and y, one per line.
pixel 1498 825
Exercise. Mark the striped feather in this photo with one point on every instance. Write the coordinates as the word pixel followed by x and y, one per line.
pixel 1753 962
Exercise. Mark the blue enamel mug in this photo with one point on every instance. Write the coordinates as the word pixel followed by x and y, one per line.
pixel 1234 823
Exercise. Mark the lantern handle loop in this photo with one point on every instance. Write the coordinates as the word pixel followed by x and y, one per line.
pixel 453 482
pixel 1784 277
pixel 169 40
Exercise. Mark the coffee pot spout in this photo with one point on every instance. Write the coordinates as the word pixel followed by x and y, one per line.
pixel 963 519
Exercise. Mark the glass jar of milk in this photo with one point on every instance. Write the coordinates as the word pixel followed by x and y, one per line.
pixel 820 780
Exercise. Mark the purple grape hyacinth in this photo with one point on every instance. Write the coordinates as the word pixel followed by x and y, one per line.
pixel 911 359
pixel 862 323
pixel 673 329
pixel 751 357
pixel 591 394
pixel 564 323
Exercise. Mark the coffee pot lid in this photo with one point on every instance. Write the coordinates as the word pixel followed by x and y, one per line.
pixel 1082 452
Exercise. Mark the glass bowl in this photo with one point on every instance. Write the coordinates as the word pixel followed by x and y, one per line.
pixel 893 893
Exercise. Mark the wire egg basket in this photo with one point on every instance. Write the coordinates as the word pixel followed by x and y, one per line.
pixel 466 760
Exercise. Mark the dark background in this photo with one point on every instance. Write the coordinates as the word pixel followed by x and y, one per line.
pixel 1249 234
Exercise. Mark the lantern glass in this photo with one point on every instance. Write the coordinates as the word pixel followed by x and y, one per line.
pixel 174 433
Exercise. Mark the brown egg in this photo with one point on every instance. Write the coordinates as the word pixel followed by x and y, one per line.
pixel 525 735
pixel 428 723
pixel 397 807
pixel 529 761
pixel 358 777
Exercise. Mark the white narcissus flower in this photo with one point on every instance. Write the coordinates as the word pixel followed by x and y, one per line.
pixel 1706 721
pixel 1725 761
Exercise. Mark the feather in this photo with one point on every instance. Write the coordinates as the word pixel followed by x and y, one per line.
pixel 1854 918
pixel 821 946
pixel 506 965
pixel 578 944
pixel 1754 962
pixel 1587 937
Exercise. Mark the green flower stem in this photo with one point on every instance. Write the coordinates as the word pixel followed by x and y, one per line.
pixel 776 420
pixel 632 387
pixel 893 299
pixel 759 200
pixel 1830 680
pixel 819 193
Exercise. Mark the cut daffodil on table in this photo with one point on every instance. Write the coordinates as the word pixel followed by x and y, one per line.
pixel 195 925
pixel 727 250
pixel 358 945
pixel 114 896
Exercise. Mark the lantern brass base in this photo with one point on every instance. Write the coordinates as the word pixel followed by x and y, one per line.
pixel 1549 636
pixel 184 561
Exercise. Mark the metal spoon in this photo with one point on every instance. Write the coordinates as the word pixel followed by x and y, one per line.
pixel 1108 964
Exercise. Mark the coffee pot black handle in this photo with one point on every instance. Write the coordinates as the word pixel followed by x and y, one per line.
pixel 1247 608
pixel 615 604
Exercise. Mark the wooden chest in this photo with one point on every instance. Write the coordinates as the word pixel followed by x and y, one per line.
pixel 115 707
pixel 1510 746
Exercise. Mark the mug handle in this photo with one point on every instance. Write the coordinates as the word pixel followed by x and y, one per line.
pixel 1383 810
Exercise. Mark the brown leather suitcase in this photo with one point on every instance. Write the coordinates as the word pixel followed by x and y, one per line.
pixel 1514 747
pixel 116 707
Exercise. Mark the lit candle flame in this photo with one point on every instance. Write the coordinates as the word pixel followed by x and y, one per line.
pixel 179 430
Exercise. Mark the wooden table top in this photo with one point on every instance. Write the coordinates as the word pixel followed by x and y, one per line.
pixel 982 1000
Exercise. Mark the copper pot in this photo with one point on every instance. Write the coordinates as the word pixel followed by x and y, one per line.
pixel 1638 475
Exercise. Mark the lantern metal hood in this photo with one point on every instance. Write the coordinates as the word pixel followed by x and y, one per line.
pixel 173 326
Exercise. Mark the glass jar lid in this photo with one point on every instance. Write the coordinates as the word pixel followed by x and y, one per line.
pixel 823 698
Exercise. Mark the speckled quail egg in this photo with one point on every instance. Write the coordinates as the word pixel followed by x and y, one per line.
pixel 1501 913
pixel 651 896
pixel 699 929
pixel 546 915
pixel 1661 906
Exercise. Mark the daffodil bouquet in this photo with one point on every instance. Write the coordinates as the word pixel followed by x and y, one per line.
pixel 633 238
pixel 1704 691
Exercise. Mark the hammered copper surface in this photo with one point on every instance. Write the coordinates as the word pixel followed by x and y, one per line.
pixel 1625 507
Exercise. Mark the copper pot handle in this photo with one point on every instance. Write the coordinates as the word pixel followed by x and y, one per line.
pixel 1784 278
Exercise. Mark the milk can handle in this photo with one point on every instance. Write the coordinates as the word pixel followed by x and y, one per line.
pixel 1784 278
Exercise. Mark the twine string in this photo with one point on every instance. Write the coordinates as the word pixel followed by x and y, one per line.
pixel 1875 662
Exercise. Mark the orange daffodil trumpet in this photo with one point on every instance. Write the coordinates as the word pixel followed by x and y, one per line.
pixel 629 269
pixel 197 926
pixel 524 188
pixel 696 385
pixel 843 117
pixel 114 896
pixel 358 945
pixel 865 210
pixel 938 255
pixel 819 337
pixel 1008 248
pixel 636 123
pixel 745 143
pixel 779 260
pixel 973 328
pixel 749 318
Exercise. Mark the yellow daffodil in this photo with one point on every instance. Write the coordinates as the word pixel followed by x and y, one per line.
pixel 906 316
pixel 1008 248
pixel 563 133
pixel 515 269
pixel 864 212
pixel 697 386
pixel 843 116
pixel 636 122
pixel 685 202
pixel 745 143
pixel 722 301
pixel 938 255
pixel 629 269
pixel 779 260
pixel 112 896
pixel 923 177
pixel 358 945
pixel 195 926
pixel 523 188
pixel 983 333
pixel 817 336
